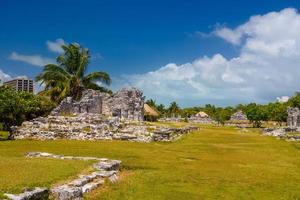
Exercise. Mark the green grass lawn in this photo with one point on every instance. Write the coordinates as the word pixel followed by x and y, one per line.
pixel 214 163
pixel 4 135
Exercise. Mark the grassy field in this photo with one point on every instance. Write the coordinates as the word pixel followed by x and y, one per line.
pixel 214 163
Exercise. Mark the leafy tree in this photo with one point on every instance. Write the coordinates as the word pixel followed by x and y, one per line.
pixel 16 107
pixel 69 76
pixel 277 112
pixel 256 114
pixel 241 107
pixel 295 100
pixel 188 112
pixel 221 115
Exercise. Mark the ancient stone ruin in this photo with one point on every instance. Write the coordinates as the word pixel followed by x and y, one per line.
pixel 98 116
pixel 126 104
pixel 293 126
pixel 293 119
pixel 88 126
pixel 238 116
pixel 202 118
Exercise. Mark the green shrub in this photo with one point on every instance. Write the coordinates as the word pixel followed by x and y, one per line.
pixel 16 107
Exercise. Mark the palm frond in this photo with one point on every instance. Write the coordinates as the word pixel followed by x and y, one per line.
pixel 102 77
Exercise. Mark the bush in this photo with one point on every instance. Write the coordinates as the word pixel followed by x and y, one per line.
pixel 256 114
pixel 16 107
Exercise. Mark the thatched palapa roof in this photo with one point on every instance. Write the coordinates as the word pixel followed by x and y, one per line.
pixel 202 114
pixel 149 110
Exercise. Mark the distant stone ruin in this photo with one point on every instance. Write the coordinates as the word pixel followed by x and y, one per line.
pixel 238 116
pixel 293 126
pixel 202 118
pixel 293 119
pixel 126 104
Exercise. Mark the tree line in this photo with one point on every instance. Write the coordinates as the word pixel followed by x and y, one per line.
pixel 256 113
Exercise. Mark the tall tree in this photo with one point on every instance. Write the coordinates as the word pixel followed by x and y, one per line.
pixel 69 76
pixel 277 112
pixel 295 100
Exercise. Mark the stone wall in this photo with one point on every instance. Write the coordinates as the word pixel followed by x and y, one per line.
pixel 293 119
pixel 126 103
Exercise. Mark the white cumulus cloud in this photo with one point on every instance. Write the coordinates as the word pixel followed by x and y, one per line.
pixel 36 60
pixel 267 66
pixel 283 99
pixel 55 46
pixel 4 77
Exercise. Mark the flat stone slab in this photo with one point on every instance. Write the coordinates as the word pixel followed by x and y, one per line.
pixel 36 194
pixel 66 192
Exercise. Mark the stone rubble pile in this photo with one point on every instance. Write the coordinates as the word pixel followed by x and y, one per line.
pixel 279 132
pixel 74 190
pixel 283 133
pixel 88 126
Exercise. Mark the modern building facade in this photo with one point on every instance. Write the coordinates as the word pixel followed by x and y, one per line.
pixel 21 85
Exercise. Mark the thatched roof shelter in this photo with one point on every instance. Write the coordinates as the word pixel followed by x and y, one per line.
pixel 202 114
pixel 148 110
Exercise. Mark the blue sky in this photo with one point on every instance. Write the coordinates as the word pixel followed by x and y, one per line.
pixel 135 40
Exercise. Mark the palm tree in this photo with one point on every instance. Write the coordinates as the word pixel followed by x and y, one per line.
pixel 173 108
pixel 68 77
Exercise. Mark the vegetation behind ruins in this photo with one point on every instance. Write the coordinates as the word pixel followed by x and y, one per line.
pixel 256 113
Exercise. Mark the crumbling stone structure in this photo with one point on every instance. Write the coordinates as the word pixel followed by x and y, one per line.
pixel 293 119
pixel 126 104
pixel 239 116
